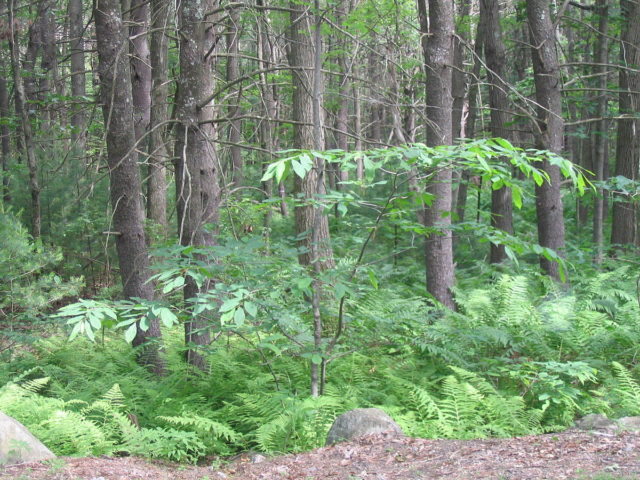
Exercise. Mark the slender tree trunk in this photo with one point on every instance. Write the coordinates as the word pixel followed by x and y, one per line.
pixel 125 184
pixel 140 69
pixel 357 127
pixel 549 131
pixel 312 226
pixel 437 25
pixel 623 229
pixel 159 114
pixel 78 81
pixel 25 123
pixel 233 72
pixel 267 134
pixel 197 166
pixel 49 60
pixel 5 144
pixel 463 188
pixel 496 56
pixel 601 60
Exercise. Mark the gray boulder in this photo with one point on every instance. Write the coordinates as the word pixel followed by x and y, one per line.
pixel 596 421
pixel 18 445
pixel 629 423
pixel 359 422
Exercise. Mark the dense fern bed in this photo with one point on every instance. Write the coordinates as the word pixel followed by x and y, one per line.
pixel 566 455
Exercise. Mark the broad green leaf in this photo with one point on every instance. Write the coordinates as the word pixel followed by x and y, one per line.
pixel 167 317
pixel 251 308
pixel 230 304
pixel 238 316
pixel 130 333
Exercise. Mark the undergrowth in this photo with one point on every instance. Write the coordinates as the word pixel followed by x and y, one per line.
pixel 520 356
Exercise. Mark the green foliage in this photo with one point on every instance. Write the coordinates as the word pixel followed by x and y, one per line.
pixel 29 283
pixel 520 356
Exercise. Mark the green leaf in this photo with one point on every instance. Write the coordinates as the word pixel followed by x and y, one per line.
pixel 226 317
pixel 230 304
pixel 251 308
pixel 173 284
pixel 280 171
pixel 238 316
pixel 373 279
pixel 316 358
pixel 75 331
pixel 130 333
pixel 297 168
pixel 167 317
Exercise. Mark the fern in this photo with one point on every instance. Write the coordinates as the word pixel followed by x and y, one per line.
pixel 627 389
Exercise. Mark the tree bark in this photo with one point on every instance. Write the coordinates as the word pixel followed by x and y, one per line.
pixel 496 56
pixel 4 141
pixel 623 229
pixel 438 27
pixel 78 80
pixel 159 114
pixel 197 172
pixel 25 124
pixel 474 87
pixel 235 125
pixel 125 185
pixel 312 226
pixel 601 139
pixel 550 129
pixel 140 69
pixel 310 221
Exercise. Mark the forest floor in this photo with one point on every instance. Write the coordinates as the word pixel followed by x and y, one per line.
pixel 567 455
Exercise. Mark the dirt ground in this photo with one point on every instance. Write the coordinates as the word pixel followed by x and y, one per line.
pixel 568 455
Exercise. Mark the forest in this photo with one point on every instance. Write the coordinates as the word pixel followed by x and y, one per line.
pixel 224 223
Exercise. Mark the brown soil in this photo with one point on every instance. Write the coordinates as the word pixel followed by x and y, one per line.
pixel 567 455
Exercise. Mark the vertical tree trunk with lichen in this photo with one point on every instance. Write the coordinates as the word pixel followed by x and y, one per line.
pixel 158 114
pixel 437 27
pixel 78 80
pixel 312 226
pixel 549 129
pixel 197 168
pixel 124 174
pixel 496 56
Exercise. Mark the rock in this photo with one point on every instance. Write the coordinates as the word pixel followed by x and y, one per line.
pixel 629 423
pixel 596 421
pixel 359 422
pixel 18 445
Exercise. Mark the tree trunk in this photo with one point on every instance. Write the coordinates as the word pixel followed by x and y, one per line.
pixel 158 115
pixel 125 185
pixel 496 56
pixel 78 81
pixel 474 86
pixel 310 221
pixel 267 135
pixel 233 72
pixel 549 131
pixel 25 123
pixel 623 229
pixel 437 25
pixel 312 226
pixel 140 69
pixel 4 142
pixel 601 60
pixel 197 174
